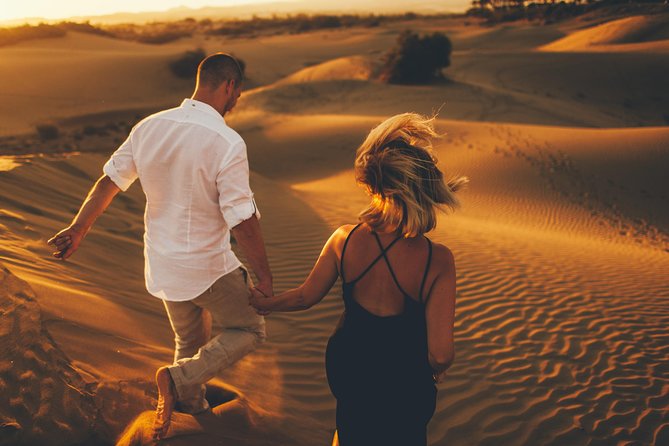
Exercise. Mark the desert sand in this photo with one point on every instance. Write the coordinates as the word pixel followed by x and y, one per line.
pixel 561 244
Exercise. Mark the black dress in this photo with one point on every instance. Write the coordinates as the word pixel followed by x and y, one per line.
pixel 378 369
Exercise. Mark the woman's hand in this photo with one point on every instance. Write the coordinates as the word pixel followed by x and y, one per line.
pixel 260 302
pixel 323 275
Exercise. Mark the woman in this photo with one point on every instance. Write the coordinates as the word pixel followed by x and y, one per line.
pixel 395 338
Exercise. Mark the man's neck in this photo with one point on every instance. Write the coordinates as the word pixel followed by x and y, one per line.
pixel 209 100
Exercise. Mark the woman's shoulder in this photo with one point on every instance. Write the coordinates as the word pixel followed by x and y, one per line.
pixel 342 232
pixel 442 257
pixel 340 235
pixel 348 228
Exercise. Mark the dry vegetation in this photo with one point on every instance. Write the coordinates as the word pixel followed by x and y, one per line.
pixel 417 59
pixel 496 11
pixel 165 32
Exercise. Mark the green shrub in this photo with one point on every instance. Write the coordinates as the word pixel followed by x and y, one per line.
pixel 416 59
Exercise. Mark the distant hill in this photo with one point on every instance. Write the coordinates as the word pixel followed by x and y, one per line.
pixel 265 9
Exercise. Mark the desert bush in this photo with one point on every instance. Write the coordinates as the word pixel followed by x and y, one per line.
pixel 164 32
pixel 305 23
pixel 84 27
pixel 92 130
pixel 416 59
pixel 297 23
pixel 10 36
pixel 185 67
pixel 496 11
pixel 47 132
pixel 153 33
pixel 162 37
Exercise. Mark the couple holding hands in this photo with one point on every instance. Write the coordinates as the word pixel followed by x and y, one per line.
pixel 394 340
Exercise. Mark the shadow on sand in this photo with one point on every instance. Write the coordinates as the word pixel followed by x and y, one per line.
pixel 233 420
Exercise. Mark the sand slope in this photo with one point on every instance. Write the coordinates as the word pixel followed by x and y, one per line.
pixel 47 80
pixel 45 400
pixel 553 302
pixel 638 33
pixel 349 68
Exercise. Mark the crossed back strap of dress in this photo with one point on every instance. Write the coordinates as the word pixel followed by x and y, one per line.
pixel 383 254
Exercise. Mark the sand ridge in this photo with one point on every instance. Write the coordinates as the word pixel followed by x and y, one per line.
pixel 645 33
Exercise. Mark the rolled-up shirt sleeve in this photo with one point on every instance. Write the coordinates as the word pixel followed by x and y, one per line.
pixel 121 166
pixel 234 192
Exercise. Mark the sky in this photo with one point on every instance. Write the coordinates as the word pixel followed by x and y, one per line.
pixel 60 9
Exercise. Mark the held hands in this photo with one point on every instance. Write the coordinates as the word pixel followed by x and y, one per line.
pixel 66 242
pixel 260 301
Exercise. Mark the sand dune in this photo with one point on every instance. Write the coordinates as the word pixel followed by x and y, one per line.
pixel 645 33
pixel 51 79
pixel 559 91
pixel 47 401
pixel 54 79
pixel 561 244
pixel 550 294
pixel 350 68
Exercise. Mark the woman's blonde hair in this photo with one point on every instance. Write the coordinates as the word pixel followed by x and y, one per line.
pixel 399 171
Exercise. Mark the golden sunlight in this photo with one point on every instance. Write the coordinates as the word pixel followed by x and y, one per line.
pixel 142 298
pixel 32 9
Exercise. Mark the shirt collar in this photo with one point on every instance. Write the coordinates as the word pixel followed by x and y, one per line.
pixel 199 105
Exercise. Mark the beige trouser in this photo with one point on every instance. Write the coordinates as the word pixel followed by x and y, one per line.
pixel 198 357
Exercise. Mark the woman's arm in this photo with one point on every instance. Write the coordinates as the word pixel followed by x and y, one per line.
pixel 323 275
pixel 440 313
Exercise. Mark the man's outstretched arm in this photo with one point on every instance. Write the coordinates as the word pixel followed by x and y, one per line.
pixel 100 196
pixel 248 236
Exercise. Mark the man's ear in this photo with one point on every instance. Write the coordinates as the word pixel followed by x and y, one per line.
pixel 230 86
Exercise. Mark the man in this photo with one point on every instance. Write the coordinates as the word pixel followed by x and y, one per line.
pixel 194 172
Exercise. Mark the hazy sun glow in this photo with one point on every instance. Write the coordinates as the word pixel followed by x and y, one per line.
pixel 50 9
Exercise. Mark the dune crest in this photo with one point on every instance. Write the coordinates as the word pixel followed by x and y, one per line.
pixel 343 68
pixel 650 31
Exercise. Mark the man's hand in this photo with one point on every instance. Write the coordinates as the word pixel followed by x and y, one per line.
pixel 66 242
pixel 260 301
pixel 266 288
pixel 249 238
pixel 99 197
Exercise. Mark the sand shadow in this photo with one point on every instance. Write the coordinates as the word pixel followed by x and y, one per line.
pixel 233 420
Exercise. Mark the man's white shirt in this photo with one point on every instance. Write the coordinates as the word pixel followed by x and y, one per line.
pixel 195 174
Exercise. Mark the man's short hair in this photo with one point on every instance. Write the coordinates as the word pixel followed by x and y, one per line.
pixel 218 68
